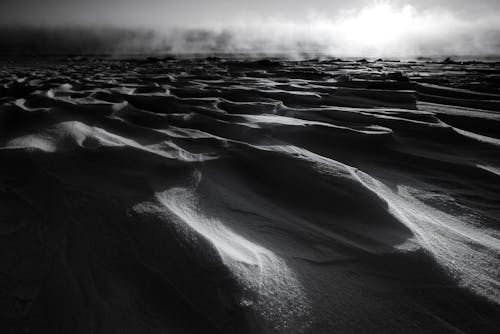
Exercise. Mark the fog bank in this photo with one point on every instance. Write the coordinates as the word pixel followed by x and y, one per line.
pixel 380 30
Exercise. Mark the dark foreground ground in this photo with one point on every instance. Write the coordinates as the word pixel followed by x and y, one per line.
pixel 196 196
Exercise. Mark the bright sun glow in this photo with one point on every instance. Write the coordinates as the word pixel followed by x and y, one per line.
pixel 380 29
pixel 378 24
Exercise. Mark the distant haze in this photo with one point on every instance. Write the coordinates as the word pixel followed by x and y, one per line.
pixel 340 28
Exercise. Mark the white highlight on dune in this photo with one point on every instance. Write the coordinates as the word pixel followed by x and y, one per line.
pixel 491 169
pixel 478 137
pixel 286 120
pixel 470 253
pixel 281 300
pixel 70 135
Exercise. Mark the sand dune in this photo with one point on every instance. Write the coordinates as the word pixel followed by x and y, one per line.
pixel 233 196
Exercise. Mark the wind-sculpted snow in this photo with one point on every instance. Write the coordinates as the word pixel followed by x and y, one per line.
pixel 222 195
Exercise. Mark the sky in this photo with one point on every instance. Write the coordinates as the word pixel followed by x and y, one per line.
pixel 351 28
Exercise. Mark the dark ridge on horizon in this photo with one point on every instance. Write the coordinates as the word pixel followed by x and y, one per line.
pixel 26 40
